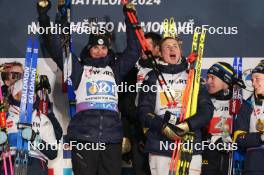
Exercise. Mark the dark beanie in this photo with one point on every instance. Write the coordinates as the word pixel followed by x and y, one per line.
pixel 98 40
pixel 259 68
pixel 225 72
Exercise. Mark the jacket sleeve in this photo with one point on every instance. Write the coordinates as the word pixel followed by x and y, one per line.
pixel 56 125
pixel 54 46
pixel 129 57
pixel 205 109
pixel 146 106
pixel 242 136
pixel 51 42
pixel 77 71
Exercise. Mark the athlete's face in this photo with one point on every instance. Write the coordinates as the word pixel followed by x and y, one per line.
pixel 170 51
pixel 215 84
pixel 258 83
pixel 152 47
pixel 98 51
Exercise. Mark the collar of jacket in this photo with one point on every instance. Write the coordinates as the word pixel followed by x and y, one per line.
pixel 145 63
pixel 223 95
pixel 258 99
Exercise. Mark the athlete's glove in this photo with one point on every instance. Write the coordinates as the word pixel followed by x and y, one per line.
pixel 129 7
pixel 3 137
pixel 30 135
pixel 172 129
pixel 223 143
pixel 43 83
pixel 192 57
pixel 43 6
pixel 175 132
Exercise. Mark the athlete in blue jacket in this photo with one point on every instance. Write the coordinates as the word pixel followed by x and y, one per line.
pixel 94 78
pixel 153 109
pixel 249 126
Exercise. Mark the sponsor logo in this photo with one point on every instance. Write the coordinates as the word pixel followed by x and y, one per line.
pixel 247 79
pixel 100 88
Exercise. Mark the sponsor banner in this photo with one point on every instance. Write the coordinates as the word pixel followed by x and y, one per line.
pixel 227 33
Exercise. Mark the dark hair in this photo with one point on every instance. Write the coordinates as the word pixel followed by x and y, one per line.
pixel 156 38
pixel 259 68
pixel 5 75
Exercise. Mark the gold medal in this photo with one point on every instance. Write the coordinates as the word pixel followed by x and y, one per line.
pixel 259 125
